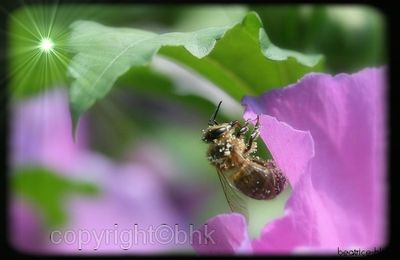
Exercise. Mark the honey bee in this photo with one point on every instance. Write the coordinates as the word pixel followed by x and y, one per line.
pixel 238 169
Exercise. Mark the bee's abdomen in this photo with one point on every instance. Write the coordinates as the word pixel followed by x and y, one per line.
pixel 261 183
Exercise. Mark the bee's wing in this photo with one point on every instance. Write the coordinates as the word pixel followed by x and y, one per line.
pixel 236 201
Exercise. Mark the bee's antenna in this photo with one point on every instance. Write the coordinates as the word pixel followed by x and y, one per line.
pixel 212 119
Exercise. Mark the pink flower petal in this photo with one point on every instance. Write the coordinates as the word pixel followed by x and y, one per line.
pixel 223 234
pixel 42 133
pixel 291 151
pixel 340 200
pixel 26 230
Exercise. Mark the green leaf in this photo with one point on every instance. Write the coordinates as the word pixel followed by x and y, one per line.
pixel 241 60
pixel 47 191
pixel 31 70
pixel 351 37
pixel 245 62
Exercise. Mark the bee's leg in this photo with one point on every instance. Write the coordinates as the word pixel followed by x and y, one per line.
pixel 234 124
pixel 243 129
pixel 253 137
pixel 260 161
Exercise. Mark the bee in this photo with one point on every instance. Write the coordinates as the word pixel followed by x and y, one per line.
pixel 239 171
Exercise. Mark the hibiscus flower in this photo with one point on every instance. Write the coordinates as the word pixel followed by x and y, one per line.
pixel 327 134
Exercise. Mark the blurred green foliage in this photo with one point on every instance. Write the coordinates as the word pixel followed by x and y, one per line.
pixel 350 37
pixel 48 191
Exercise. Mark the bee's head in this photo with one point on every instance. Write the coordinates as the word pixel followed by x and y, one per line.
pixel 215 132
